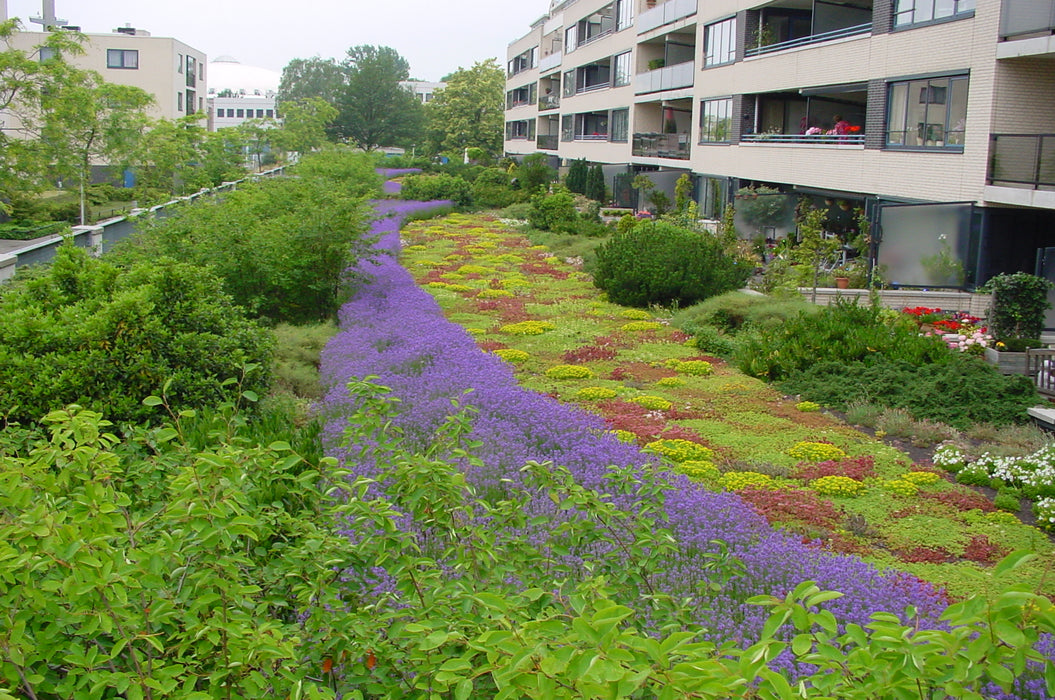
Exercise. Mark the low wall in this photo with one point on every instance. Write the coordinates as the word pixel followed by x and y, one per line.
pixel 101 237
pixel 949 300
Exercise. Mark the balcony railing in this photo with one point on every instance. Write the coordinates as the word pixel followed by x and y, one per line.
pixel 1022 159
pixel 547 142
pixel 548 102
pixel 803 140
pixel 1019 17
pixel 669 78
pixel 549 62
pixel 652 145
pixel 668 12
pixel 812 39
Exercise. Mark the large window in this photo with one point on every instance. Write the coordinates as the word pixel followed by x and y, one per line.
pixel 571 38
pixel 523 62
pixel 927 113
pixel 909 12
pixel 521 96
pixel 191 96
pixel 624 14
pixel 623 74
pixel 719 43
pixel 621 125
pixel 191 73
pixel 716 119
pixel 523 129
pixel 122 58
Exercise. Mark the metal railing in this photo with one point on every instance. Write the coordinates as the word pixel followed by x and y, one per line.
pixel 651 145
pixel 547 142
pixel 1019 17
pixel 668 12
pixel 669 78
pixel 811 39
pixel 811 140
pixel 1022 159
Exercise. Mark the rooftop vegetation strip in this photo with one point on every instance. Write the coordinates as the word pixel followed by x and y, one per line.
pixel 394 330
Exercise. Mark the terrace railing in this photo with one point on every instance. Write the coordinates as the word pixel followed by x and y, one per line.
pixel 669 78
pixel 668 12
pixel 1020 17
pixel 547 142
pixel 803 140
pixel 1022 159
pixel 812 39
pixel 652 145
pixel 548 62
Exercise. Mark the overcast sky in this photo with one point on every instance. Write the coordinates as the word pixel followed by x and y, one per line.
pixel 435 36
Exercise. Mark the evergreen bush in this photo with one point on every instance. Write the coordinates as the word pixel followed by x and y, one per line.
pixel 1019 303
pixel 595 187
pixel 578 172
pixel 659 263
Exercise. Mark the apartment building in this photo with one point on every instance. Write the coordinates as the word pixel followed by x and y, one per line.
pixel 173 72
pixel 931 120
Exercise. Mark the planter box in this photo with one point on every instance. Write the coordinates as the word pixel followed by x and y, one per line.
pixel 1008 362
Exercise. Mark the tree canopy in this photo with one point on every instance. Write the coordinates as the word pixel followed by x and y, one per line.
pixel 470 111
pixel 374 109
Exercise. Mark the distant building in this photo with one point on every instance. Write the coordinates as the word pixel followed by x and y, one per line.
pixel 173 72
pixel 425 91
pixel 238 93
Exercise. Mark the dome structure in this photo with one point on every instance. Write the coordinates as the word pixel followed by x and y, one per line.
pixel 227 74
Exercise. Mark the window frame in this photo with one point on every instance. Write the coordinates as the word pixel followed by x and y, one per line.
pixel 930 93
pixel 728 37
pixel 628 72
pixel 613 123
pixel 712 130
pixel 967 11
pixel 121 63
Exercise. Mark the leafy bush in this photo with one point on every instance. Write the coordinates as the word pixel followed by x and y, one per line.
pixel 89 333
pixel 441 186
pixel 534 173
pixel 285 248
pixel 844 332
pixel 1019 303
pixel 104 192
pixel 493 189
pixel 553 212
pixel 658 263
pixel 711 340
pixel 959 392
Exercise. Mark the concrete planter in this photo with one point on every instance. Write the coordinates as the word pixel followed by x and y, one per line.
pixel 1007 362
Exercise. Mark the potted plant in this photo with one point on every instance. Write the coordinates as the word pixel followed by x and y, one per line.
pixel 657 63
pixel 1016 318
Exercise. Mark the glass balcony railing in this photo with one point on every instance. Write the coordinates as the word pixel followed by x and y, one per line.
pixel 811 39
pixel 670 11
pixel 668 78
pixel 547 142
pixel 652 145
pixel 1022 160
pixel 1022 17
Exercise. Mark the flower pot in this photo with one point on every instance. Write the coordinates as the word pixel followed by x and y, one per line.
pixel 1007 362
pixel 842 282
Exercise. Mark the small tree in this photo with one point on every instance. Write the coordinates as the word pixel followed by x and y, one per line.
pixel 578 172
pixel 595 188
pixel 1018 306
pixel 814 250
pixel 659 199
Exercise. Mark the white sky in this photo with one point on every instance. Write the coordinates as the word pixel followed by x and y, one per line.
pixel 436 36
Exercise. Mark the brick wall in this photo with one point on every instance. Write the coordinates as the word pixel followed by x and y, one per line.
pixel 875 114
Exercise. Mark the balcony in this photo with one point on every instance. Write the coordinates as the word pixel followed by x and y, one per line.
pixel 547 142
pixel 548 102
pixel 667 78
pixel 1022 18
pixel 653 145
pixel 804 140
pixel 783 25
pixel 548 63
pixel 670 11
pixel 1022 160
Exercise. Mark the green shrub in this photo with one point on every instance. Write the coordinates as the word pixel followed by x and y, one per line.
pixel 844 332
pixel 1008 502
pixel 959 392
pixel 658 263
pixel 534 173
pixel 712 341
pixel 441 186
pixel 553 212
pixel 1019 303
pixel 595 187
pixel 104 192
pixel 578 172
pixel 89 333
pixel 493 189
pixel 732 311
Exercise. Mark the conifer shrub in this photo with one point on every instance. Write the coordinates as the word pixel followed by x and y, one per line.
pixel 578 172
pixel 659 263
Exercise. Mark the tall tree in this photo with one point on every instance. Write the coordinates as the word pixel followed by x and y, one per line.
pixel 167 157
pixel 375 110
pixel 304 78
pixel 470 111
pixel 304 124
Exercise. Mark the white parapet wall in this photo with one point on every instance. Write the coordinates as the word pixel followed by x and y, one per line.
pixel 947 300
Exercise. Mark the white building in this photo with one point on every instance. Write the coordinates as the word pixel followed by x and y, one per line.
pixel 238 93
pixel 424 91
pixel 947 139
